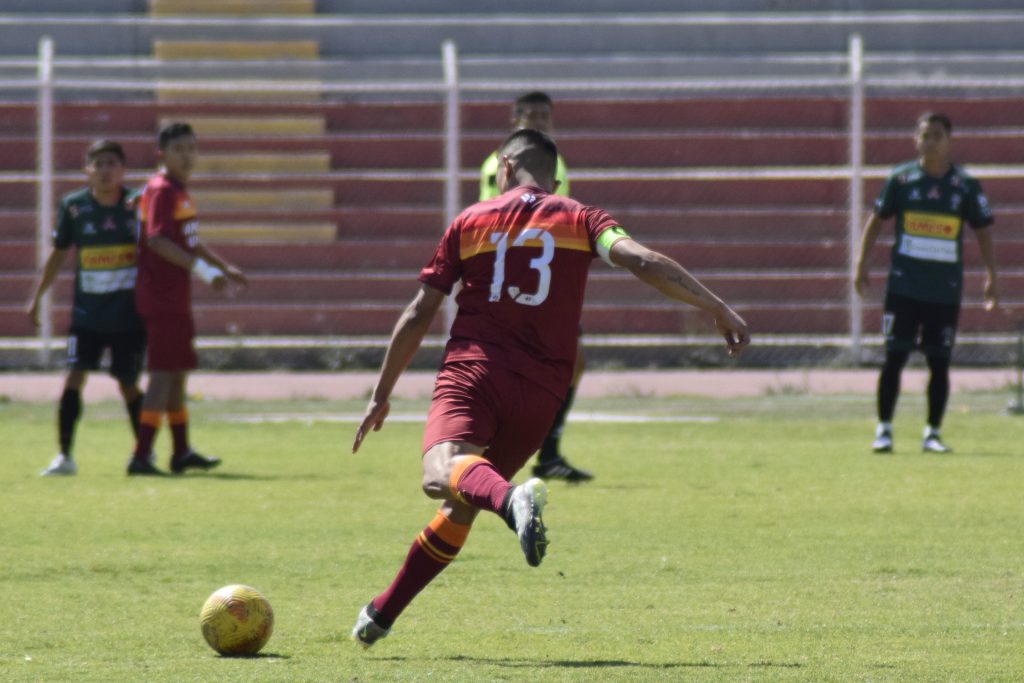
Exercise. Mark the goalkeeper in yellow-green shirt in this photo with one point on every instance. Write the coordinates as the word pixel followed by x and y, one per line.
pixel 535 110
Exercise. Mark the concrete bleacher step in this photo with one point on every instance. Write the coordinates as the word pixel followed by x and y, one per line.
pixel 264 162
pixel 167 8
pixel 282 232
pixel 237 91
pixel 235 49
pixel 251 199
pixel 249 126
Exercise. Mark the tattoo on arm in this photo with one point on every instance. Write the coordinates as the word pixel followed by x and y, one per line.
pixel 686 285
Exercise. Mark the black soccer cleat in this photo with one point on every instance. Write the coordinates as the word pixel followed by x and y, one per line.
pixel 192 461
pixel 561 469
pixel 143 467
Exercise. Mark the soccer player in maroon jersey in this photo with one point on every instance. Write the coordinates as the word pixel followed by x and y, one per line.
pixel 169 253
pixel 523 260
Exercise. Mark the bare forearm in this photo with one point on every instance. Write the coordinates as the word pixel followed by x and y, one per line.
pixel 169 251
pixel 204 252
pixel 54 262
pixel 406 338
pixel 674 281
pixel 867 241
pixel 988 256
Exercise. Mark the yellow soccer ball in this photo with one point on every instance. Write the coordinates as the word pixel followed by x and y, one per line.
pixel 237 620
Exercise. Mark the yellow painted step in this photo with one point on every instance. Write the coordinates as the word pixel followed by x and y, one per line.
pixel 236 49
pixel 227 91
pixel 166 8
pixel 264 162
pixel 252 126
pixel 262 199
pixel 268 232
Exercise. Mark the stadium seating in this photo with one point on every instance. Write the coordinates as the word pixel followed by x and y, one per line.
pixel 332 204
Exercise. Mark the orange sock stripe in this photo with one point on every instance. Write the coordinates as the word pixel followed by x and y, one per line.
pixel 459 470
pixel 151 418
pixel 432 550
pixel 448 531
pixel 177 417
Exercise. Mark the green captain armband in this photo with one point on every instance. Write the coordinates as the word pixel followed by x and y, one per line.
pixel 605 241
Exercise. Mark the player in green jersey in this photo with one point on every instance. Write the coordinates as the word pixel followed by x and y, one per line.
pixel 931 199
pixel 535 111
pixel 99 221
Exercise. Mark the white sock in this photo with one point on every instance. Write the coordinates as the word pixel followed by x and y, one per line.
pixel 883 428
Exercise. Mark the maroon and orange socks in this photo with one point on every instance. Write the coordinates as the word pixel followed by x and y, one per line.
pixel 432 551
pixel 475 481
pixel 149 425
pixel 178 420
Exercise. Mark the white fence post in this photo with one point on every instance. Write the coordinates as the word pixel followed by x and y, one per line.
pixel 856 135
pixel 452 162
pixel 44 187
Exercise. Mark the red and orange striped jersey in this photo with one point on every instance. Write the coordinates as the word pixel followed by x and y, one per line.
pixel 165 209
pixel 523 259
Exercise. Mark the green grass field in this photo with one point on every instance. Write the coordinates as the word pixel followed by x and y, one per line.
pixel 768 545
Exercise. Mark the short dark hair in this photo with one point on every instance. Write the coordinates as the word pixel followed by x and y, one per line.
pixel 532 149
pixel 98 147
pixel 172 131
pixel 930 117
pixel 532 97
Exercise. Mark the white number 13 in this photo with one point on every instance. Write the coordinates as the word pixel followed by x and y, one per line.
pixel 540 264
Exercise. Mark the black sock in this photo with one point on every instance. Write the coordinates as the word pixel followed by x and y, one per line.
pixel 134 407
pixel 549 450
pixel 67 418
pixel 889 383
pixel 938 389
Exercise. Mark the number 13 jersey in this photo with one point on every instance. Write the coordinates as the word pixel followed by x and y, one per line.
pixel 523 259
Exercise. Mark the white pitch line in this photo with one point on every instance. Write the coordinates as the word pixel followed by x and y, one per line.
pixel 281 418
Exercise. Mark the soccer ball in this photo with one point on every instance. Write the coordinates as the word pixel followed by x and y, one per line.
pixel 237 620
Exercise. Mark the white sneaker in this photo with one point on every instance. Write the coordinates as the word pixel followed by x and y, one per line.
pixel 366 632
pixel 60 466
pixel 932 443
pixel 883 440
pixel 528 500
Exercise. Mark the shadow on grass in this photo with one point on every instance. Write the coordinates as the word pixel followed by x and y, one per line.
pixel 258 655
pixel 236 476
pixel 606 663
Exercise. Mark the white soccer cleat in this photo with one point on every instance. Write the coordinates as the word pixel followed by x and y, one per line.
pixel 932 443
pixel 60 466
pixel 366 632
pixel 527 503
pixel 883 441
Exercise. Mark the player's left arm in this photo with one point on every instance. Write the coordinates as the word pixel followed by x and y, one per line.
pixel 406 338
pixel 988 257
pixel 231 272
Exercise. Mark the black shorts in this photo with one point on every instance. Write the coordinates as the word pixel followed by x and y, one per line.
pixel 910 324
pixel 127 351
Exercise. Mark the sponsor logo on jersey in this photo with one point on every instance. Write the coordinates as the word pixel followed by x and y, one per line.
pixel 934 192
pixel 107 258
pixel 915 195
pixel 938 225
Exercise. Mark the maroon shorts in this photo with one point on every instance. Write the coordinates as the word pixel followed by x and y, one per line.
pixel 169 342
pixel 490 406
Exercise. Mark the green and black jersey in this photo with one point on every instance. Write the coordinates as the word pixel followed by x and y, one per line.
pixel 105 241
pixel 927 257
pixel 489 178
